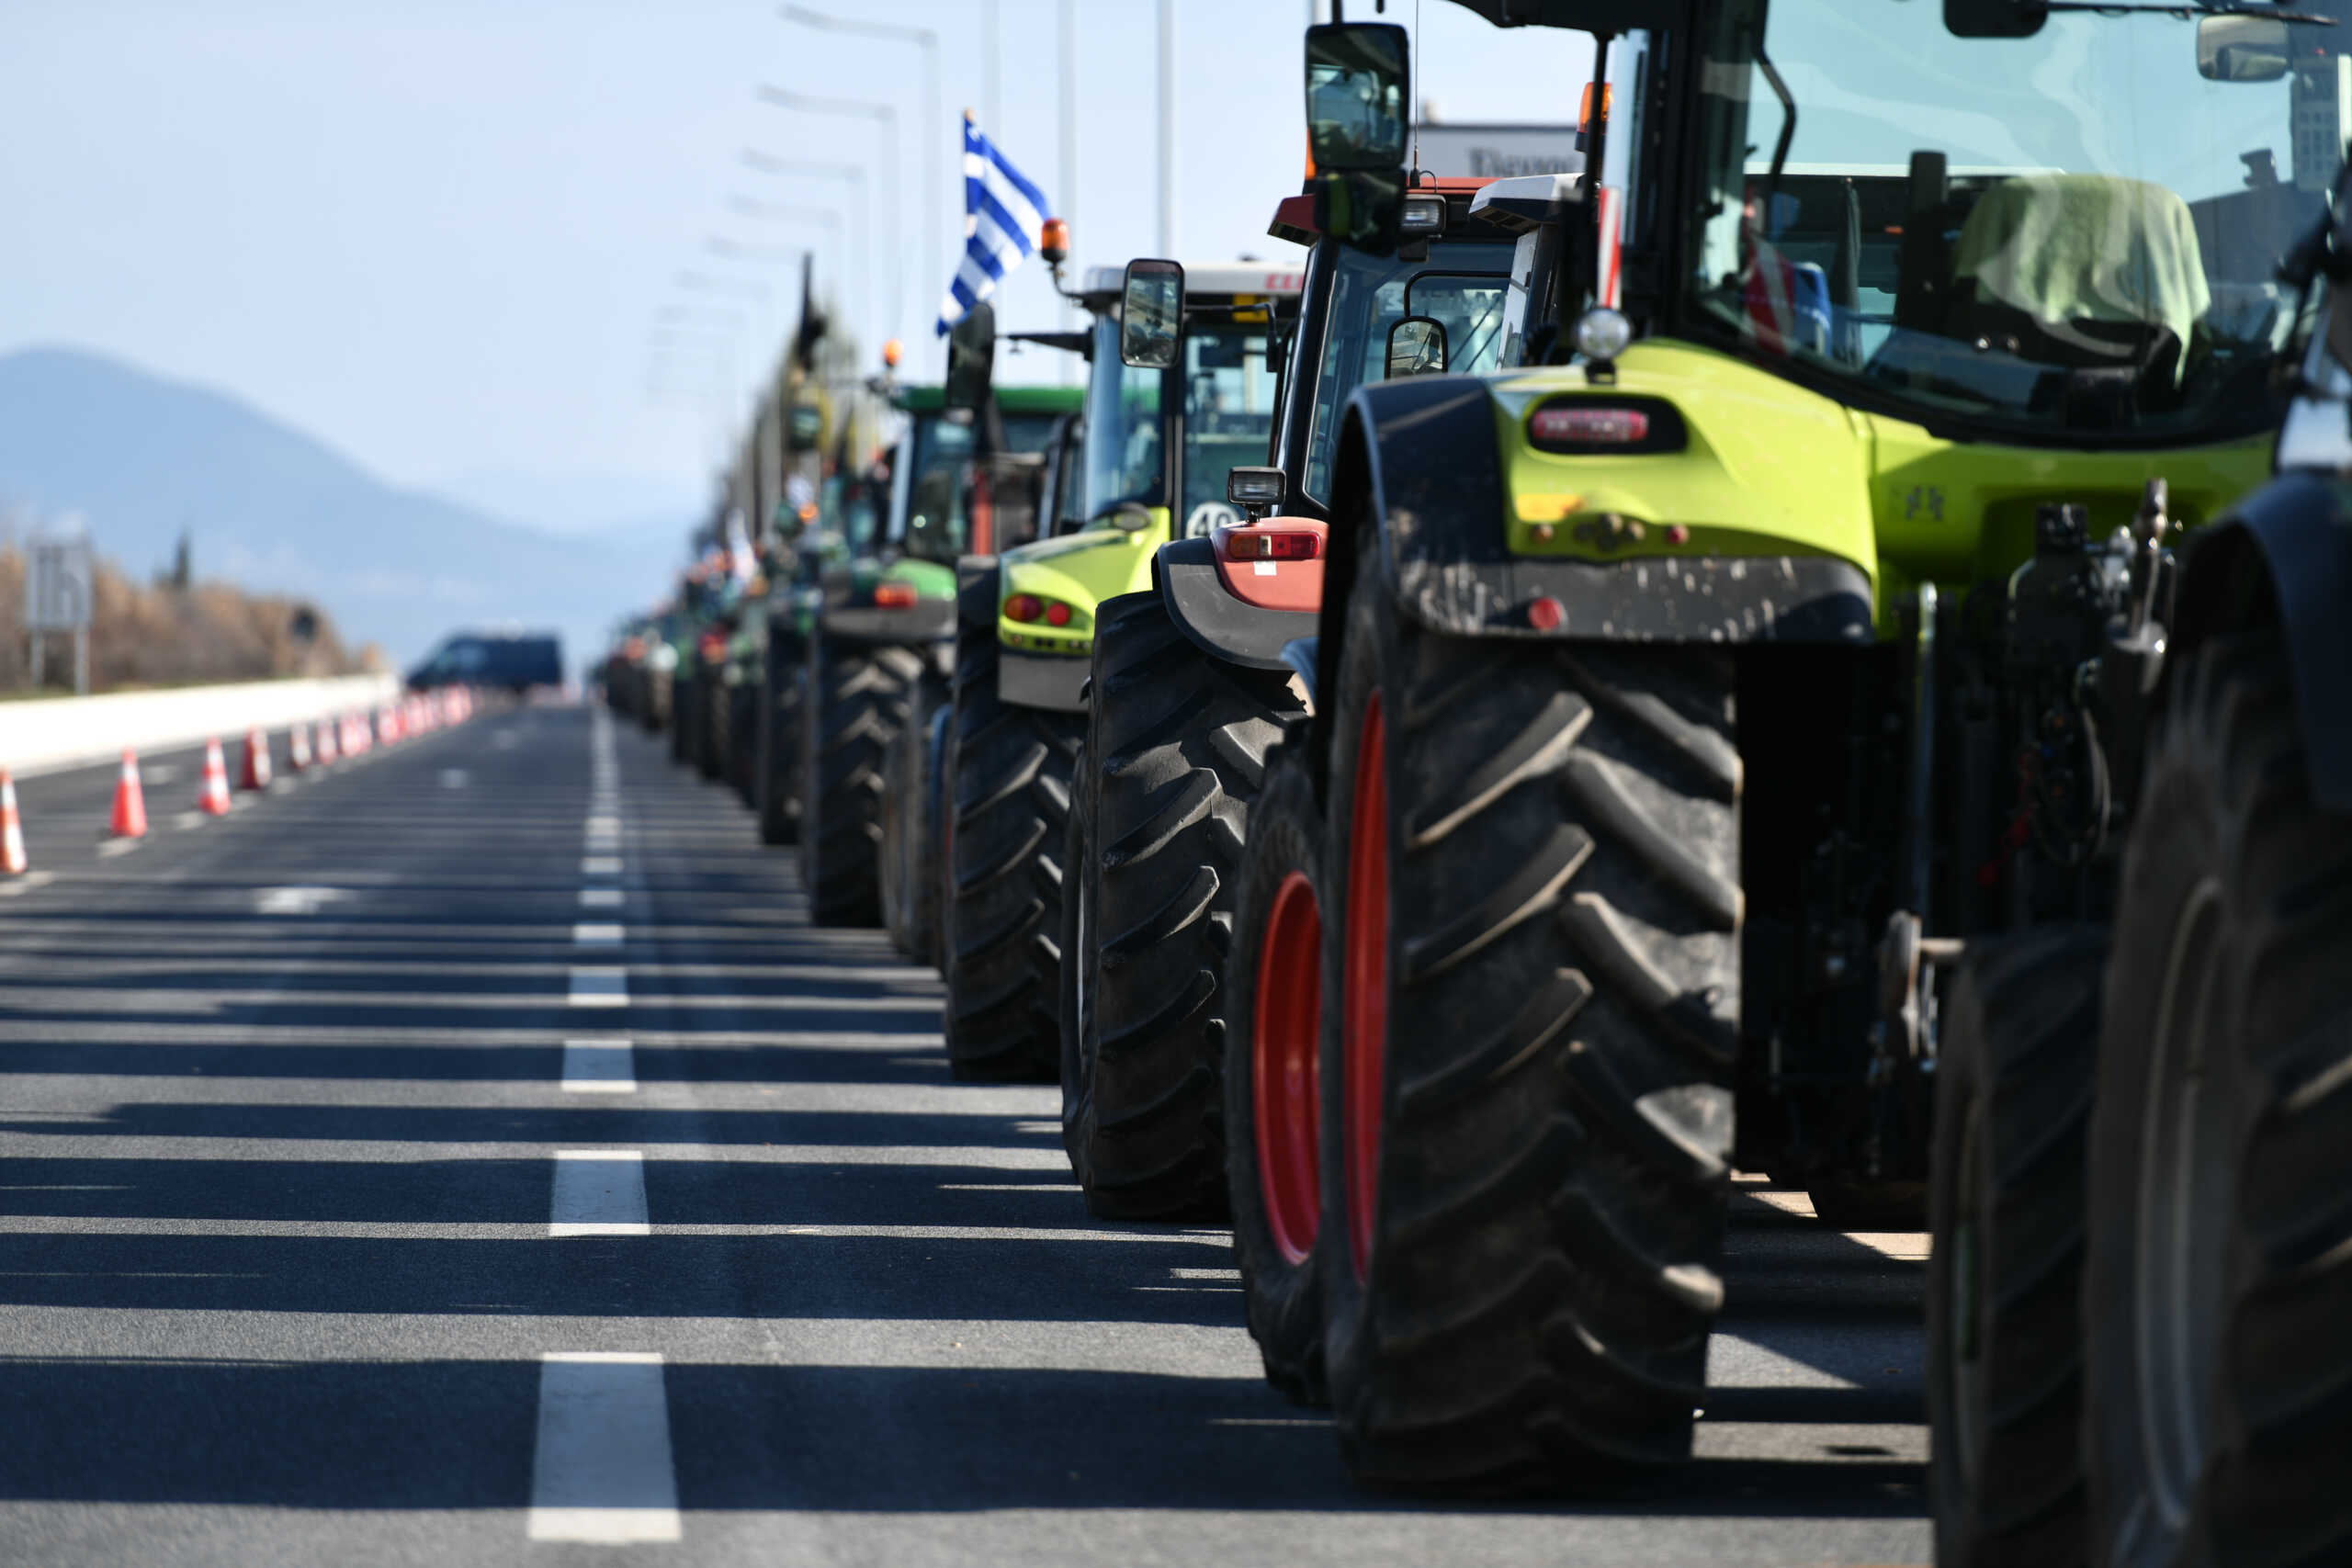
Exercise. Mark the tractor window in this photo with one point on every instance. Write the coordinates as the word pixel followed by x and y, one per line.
pixel 1228 420
pixel 2070 233
pixel 934 454
pixel 1124 458
pixel 1462 284
pixel 1228 415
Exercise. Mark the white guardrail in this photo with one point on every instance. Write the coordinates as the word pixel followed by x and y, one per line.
pixel 46 735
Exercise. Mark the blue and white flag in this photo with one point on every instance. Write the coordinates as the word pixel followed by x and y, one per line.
pixel 1004 214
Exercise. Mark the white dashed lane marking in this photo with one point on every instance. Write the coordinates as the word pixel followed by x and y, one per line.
pixel 598 1192
pixel 591 933
pixel 599 1066
pixel 600 897
pixel 602 1471
pixel 599 985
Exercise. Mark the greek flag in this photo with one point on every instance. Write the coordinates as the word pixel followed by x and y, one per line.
pixel 1004 214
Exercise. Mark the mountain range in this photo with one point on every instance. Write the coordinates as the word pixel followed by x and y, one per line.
pixel 270 509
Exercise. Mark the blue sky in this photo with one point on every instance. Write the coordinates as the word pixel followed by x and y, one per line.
pixel 441 235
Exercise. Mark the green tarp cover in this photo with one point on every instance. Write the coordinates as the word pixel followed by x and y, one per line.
pixel 2085 248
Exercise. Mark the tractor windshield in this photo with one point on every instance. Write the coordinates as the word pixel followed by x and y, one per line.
pixel 2040 238
pixel 928 508
pixel 1228 387
pixel 1462 284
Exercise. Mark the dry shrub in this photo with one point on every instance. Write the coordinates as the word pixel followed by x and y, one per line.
pixel 160 636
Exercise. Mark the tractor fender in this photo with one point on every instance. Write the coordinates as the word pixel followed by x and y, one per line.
pixel 1217 621
pixel 1431 473
pixel 2283 556
pixel 1421 459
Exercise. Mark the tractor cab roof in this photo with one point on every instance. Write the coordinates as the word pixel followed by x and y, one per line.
pixel 1528 201
pixel 1465 198
pixel 1210 283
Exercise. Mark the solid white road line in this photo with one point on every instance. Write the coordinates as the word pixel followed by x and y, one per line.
pixel 600 865
pixel 599 985
pixel 594 933
pixel 602 1472
pixel 600 897
pixel 599 1066
pixel 598 1192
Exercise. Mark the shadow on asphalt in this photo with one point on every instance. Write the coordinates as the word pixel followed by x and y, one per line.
pixel 457 1435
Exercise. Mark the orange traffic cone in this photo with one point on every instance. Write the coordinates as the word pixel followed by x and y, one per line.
pixel 325 748
pixel 12 832
pixel 212 796
pixel 129 800
pixel 256 774
pixel 298 748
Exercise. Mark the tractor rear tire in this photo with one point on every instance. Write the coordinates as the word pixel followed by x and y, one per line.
pixel 909 888
pixel 718 728
pixel 1176 751
pixel 2005 1342
pixel 1272 1045
pixel 1532 857
pixel 855 701
pixel 684 717
pixel 1008 787
pixel 776 796
pixel 2218 1379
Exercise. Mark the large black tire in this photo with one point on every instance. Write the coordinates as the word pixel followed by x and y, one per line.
pixel 776 790
pixel 2218 1292
pixel 1536 1168
pixel 718 709
pixel 686 715
pixel 940 873
pixel 1176 751
pixel 2013 1087
pixel 1009 780
pixel 742 736
pixel 855 701
pixel 1272 1039
pixel 910 886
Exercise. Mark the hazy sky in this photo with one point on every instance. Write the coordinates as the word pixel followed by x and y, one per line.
pixel 443 235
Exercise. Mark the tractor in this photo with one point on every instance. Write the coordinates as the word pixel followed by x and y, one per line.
pixel 2143 1260
pixel 879 640
pixel 1689 697
pixel 1189 689
pixel 1159 438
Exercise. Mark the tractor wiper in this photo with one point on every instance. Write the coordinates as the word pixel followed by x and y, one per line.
pixel 1788 134
pixel 2180 13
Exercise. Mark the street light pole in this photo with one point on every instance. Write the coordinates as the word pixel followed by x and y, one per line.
pixel 767 163
pixel 784 98
pixel 1168 128
pixel 928 41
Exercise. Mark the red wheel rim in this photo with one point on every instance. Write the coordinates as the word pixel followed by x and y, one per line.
pixel 1364 1022
pixel 1284 1076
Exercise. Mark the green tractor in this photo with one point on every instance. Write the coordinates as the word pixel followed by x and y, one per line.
pixel 2143 1260
pixel 1158 440
pixel 1684 702
pixel 1190 690
pixel 1011 495
pixel 880 634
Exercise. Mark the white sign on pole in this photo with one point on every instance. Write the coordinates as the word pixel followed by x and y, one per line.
pixel 1498 152
pixel 57 588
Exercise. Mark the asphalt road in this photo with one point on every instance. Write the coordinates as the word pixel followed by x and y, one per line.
pixel 470 1154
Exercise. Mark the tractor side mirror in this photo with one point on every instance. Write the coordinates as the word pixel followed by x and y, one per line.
pixel 1416 347
pixel 2242 48
pixel 971 357
pixel 1994 19
pixel 1152 315
pixel 1356 79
